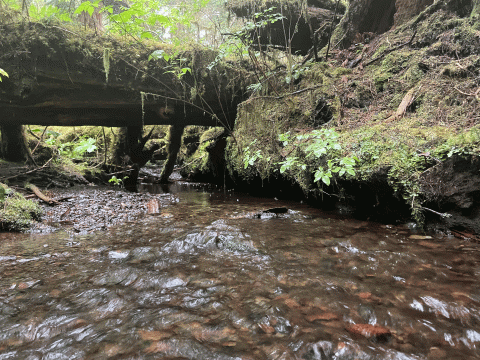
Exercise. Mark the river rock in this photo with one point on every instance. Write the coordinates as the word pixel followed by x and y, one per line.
pixel 373 332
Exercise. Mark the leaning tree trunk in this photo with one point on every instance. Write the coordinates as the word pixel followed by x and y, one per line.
pixel 14 145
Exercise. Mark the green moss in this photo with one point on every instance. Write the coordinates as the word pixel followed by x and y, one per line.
pixel 340 71
pixel 16 213
pixel 203 163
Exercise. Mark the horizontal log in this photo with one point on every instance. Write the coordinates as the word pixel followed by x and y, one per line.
pixel 109 115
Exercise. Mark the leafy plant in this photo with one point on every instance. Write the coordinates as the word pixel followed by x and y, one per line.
pixel 117 181
pixel 71 149
pixel 317 152
pixel 175 65
pixel 316 146
pixel 250 157
pixel 47 12
pixel 86 145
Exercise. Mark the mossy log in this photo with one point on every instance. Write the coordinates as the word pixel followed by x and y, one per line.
pixel 65 77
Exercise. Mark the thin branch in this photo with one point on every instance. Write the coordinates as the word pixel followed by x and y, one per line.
pixel 39 139
pixel 28 172
pixel 388 51
pixel 475 94
pixel 443 215
pixel 32 133
pixel 286 95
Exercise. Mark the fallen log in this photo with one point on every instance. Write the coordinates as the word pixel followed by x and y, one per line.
pixel 41 195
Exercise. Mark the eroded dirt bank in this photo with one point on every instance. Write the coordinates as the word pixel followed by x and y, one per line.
pixel 405 103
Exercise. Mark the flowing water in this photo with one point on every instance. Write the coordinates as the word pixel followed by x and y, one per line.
pixel 207 279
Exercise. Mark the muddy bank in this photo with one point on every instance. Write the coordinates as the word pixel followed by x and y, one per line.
pixel 73 203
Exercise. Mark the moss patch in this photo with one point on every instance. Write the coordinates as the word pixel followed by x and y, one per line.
pixel 16 213
pixel 440 68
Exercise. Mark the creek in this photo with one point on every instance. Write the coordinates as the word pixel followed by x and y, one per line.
pixel 212 278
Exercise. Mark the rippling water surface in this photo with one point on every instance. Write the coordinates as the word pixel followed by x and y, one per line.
pixel 208 280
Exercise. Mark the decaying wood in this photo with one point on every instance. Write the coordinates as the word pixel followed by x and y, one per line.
pixel 408 100
pixel 40 195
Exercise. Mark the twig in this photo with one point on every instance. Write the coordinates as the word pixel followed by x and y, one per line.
pixel 28 172
pixel 120 172
pixel 443 215
pixel 191 162
pixel 388 51
pixel 284 96
pixel 31 133
pixel 475 94
pixel 39 139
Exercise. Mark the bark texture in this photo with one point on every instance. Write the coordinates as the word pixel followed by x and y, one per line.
pixel 14 146
pixel 406 9
pixel 176 132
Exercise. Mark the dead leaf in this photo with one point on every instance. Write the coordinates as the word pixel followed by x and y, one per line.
pixel 322 316
pixel 159 346
pixel 267 329
pixel 430 245
pixel 292 304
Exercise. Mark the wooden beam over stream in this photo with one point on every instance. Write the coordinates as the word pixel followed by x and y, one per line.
pixel 58 77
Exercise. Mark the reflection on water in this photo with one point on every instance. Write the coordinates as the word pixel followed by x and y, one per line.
pixel 212 277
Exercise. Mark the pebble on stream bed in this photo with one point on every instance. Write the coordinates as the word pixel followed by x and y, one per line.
pixel 88 209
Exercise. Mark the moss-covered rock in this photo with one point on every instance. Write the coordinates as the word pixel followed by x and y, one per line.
pixel 16 212
pixel 207 163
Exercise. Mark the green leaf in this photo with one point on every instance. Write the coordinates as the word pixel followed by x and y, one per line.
pixel 326 180
pixel 351 172
pixel 146 35
pixel 64 17
pixel 87 145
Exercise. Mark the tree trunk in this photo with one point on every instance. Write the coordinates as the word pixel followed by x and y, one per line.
pixel 176 132
pixel 14 145
pixel 130 151
pixel 128 139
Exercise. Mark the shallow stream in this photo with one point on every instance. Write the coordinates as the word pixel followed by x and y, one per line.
pixel 213 278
